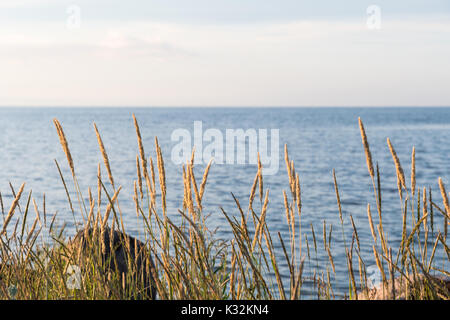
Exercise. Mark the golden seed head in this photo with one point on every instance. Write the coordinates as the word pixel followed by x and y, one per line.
pixel 104 155
pixel 65 145
pixel 366 148
pixel 398 167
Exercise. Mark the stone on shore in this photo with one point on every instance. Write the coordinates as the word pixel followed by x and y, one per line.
pixel 402 289
pixel 118 251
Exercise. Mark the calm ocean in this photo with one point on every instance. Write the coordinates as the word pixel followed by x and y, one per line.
pixel 318 139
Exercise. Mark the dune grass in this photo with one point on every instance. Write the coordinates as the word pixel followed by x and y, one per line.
pixel 190 262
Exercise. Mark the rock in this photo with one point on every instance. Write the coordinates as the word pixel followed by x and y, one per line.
pixel 409 290
pixel 112 249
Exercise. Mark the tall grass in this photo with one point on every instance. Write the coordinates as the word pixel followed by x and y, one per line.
pixel 189 261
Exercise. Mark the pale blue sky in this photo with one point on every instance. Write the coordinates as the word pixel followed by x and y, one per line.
pixel 224 53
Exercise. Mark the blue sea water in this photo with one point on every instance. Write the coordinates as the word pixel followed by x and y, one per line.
pixel 318 139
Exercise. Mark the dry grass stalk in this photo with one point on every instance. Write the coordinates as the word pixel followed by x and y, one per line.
pixel 12 208
pixel 355 232
pixel 153 185
pixel 33 228
pixel 194 184
pixel 330 257
pixel 350 271
pixel 286 206
pixel 65 145
pixel 152 172
pixel 260 178
pixel 253 192
pixel 261 222
pixel 108 209
pixel 446 205
pixel 162 175
pixel 204 179
pixel 192 157
pixel 413 171
pixel 424 208
pixel 91 197
pixel 104 155
pixel 233 272
pixel 184 188
pixel 366 149
pixel 98 217
pixel 398 167
pixel 138 169
pixel 382 239
pixel 299 212
pixel 336 190
pixel 38 216
pixel 90 219
pixel 141 147
pixel 189 200
pixel 288 167
pixel 99 186
pixel 444 197
pixel 269 245
pixel 1 203
pixel 372 229
pixel 135 198
pixel 298 195
pixel 292 178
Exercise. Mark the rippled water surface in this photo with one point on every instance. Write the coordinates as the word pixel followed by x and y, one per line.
pixel 318 139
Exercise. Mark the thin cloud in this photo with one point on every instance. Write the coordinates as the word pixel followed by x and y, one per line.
pixel 296 63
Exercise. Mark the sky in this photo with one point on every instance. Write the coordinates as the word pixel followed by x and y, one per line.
pixel 224 53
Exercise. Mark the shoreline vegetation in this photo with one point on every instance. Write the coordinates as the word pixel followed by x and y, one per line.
pixel 187 261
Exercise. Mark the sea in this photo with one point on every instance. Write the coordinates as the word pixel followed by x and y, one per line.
pixel 319 140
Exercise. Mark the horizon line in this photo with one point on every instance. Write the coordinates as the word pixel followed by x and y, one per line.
pixel 220 106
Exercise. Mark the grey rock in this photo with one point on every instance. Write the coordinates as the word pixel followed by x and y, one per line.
pixel 112 248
